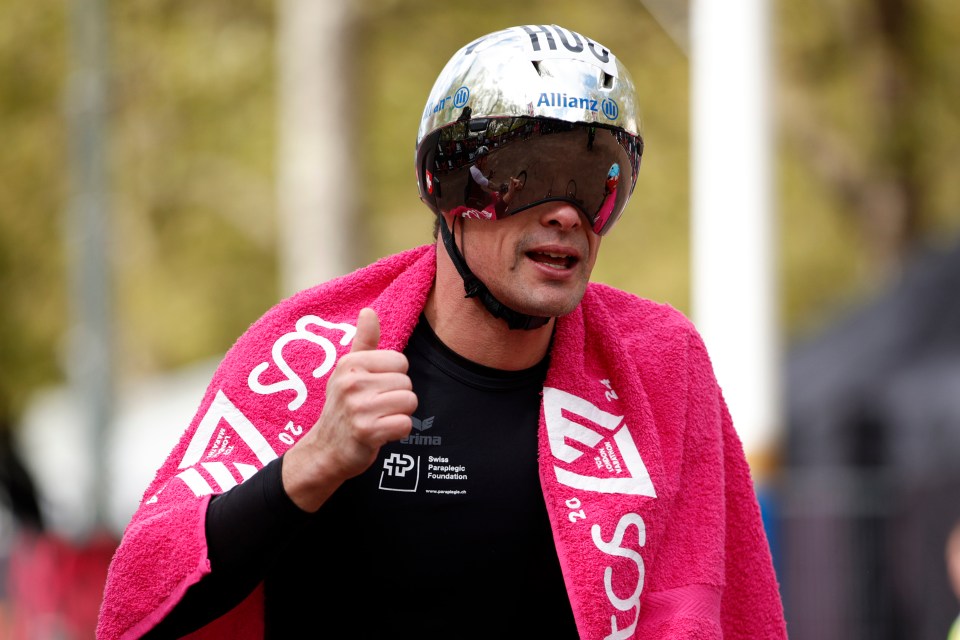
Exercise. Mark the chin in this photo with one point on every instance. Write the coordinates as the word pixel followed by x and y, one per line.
pixel 547 308
pixel 542 299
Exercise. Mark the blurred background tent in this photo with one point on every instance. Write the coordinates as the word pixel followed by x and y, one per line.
pixel 871 487
pixel 199 135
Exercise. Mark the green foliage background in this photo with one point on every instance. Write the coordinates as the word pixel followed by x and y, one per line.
pixel 863 109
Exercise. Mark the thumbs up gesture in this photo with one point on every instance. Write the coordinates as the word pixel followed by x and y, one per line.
pixel 369 402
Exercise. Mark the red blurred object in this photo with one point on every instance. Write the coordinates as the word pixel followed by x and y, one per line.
pixel 55 586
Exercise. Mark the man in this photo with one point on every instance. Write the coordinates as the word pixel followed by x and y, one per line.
pixel 480 188
pixel 502 447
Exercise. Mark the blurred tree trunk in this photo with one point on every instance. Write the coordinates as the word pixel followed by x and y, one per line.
pixel 90 341
pixel 316 199
pixel 892 205
pixel 875 178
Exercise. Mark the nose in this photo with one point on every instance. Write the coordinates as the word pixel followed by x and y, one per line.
pixel 561 214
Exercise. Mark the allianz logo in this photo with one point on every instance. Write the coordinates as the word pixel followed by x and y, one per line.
pixel 457 101
pixel 607 106
pixel 416 435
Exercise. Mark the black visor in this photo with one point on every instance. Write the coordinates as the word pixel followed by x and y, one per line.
pixel 492 168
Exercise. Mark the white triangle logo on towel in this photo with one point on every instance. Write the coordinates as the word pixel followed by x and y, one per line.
pixel 210 442
pixel 613 465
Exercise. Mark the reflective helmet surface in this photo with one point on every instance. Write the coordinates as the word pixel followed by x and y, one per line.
pixel 539 79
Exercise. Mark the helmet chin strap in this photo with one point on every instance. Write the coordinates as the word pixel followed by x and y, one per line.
pixel 475 288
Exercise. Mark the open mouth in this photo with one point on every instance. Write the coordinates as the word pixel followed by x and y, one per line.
pixel 553 260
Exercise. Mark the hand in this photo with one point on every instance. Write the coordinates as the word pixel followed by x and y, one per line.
pixel 369 402
pixel 507 191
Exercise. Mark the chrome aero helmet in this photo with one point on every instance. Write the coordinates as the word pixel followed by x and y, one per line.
pixel 520 117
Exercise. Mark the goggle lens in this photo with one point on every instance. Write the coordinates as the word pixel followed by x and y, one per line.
pixel 493 168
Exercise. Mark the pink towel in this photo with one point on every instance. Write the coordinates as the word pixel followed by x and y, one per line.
pixel 653 511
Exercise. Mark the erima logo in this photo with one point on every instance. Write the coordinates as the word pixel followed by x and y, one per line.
pixel 622 464
pixel 422 425
pixel 418 438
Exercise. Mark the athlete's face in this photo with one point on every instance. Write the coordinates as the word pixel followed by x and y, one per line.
pixel 536 262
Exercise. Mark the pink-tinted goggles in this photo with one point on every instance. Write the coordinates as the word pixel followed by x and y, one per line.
pixel 492 168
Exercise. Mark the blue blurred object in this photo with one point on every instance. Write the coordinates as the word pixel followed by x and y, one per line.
pixel 769 502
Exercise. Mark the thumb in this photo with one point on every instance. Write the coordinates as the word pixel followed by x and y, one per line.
pixel 367 337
